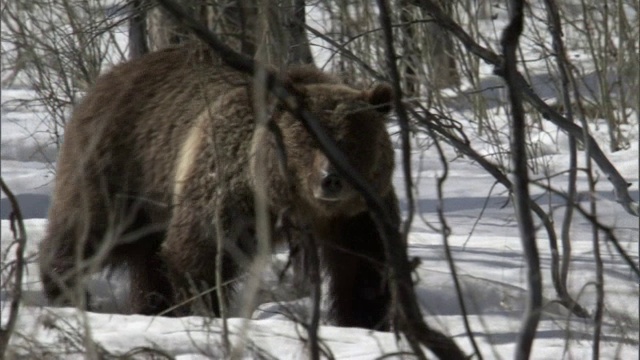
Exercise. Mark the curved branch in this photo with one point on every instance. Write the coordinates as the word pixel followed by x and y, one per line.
pixel 21 239
pixel 533 308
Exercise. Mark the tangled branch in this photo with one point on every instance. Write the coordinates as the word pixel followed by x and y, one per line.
pixel 619 183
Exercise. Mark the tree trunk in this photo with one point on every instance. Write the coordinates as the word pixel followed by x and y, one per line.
pixel 138 29
pixel 271 30
pixel 440 51
pixel 410 51
pixel 164 31
pixel 300 50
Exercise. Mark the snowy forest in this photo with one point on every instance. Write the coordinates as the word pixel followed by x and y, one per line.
pixel 515 129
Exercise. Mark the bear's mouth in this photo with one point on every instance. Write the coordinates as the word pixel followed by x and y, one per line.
pixel 345 194
pixel 332 199
pixel 348 202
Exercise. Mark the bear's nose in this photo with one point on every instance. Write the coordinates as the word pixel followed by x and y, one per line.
pixel 331 185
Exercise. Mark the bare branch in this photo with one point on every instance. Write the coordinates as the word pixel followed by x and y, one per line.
pixel 441 345
pixel 555 28
pixel 403 118
pixel 606 230
pixel 312 261
pixel 446 231
pixel 20 237
pixel 509 41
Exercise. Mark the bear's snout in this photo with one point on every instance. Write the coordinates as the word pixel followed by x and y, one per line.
pixel 331 186
pixel 327 184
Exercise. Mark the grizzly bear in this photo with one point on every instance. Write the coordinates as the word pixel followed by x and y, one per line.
pixel 160 165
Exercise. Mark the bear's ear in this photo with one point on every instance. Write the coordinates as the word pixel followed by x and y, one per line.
pixel 381 97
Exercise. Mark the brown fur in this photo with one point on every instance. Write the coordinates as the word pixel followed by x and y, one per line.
pixel 159 162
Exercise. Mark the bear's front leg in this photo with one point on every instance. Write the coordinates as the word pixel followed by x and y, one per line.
pixel 191 252
pixel 355 260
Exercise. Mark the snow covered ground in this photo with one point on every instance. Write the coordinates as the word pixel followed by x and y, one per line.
pixel 485 247
pixel 485 244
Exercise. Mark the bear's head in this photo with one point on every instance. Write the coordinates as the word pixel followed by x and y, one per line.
pixel 309 182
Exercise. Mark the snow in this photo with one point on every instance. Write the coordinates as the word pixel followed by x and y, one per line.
pixel 487 254
pixel 484 242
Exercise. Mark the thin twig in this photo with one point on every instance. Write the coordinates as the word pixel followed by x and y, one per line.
pixel 403 117
pixel 597 258
pixel 20 237
pixel 563 64
pixel 220 285
pixel 313 261
pixel 345 52
pixel 446 231
pixel 606 230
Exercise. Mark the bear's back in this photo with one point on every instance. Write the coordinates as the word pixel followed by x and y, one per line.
pixel 129 130
pixel 130 126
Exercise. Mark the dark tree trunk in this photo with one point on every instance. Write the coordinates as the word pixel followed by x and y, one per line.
pixel 138 29
pixel 164 31
pixel 440 46
pixel 273 31
pixel 410 53
pixel 300 51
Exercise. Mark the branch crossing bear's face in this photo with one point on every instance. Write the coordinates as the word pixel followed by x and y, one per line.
pixel 356 121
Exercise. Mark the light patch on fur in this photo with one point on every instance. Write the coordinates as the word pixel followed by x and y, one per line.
pixel 188 153
pixel 257 168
